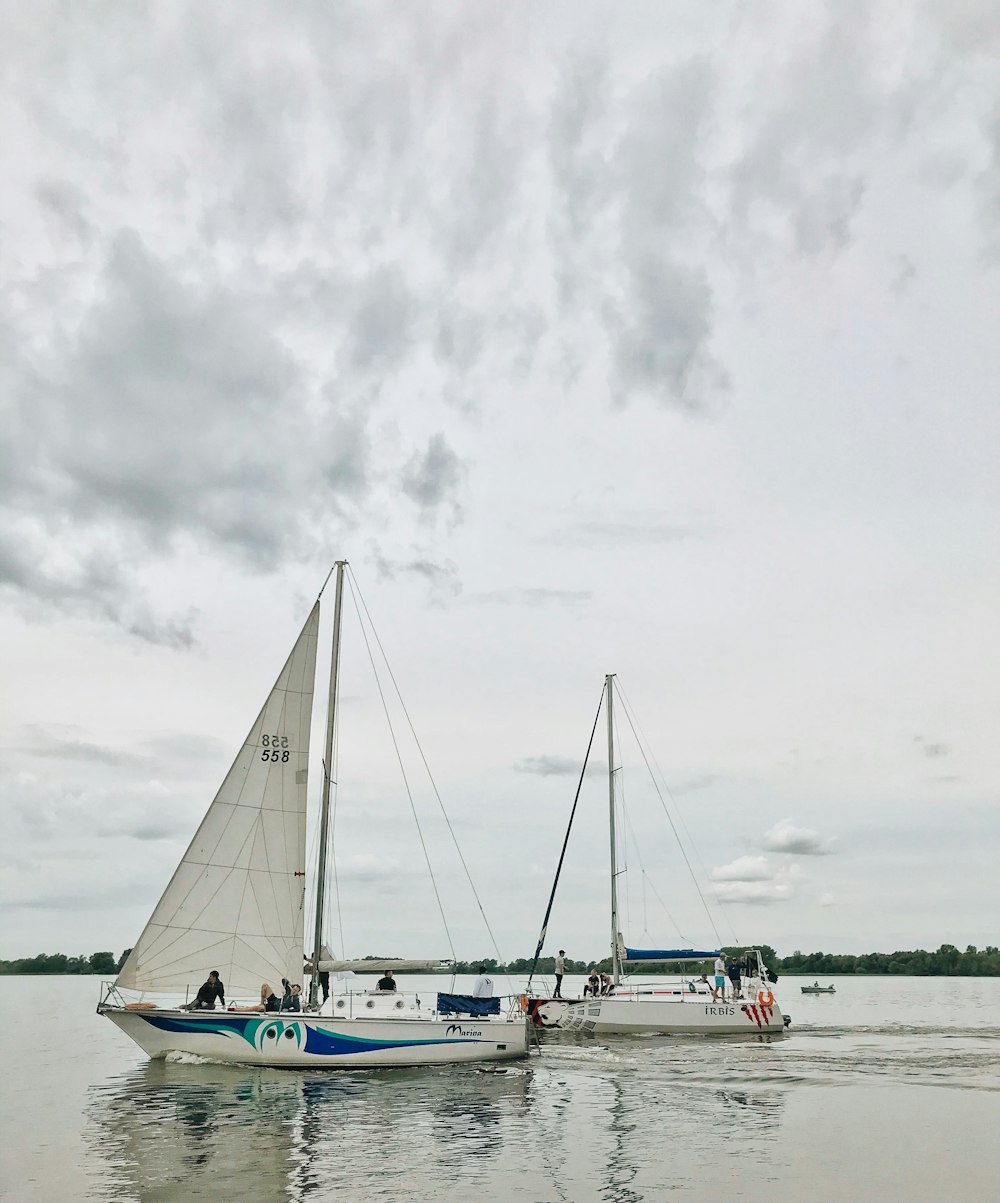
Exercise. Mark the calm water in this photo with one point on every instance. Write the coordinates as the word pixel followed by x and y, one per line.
pixel 888 1090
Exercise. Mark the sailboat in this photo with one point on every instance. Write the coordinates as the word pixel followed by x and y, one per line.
pixel 236 905
pixel 683 1007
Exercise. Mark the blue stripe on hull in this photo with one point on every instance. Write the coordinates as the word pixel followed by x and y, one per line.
pixel 265 1034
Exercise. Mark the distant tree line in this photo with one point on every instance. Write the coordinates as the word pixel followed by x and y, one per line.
pixel 58 962
pixel 947 961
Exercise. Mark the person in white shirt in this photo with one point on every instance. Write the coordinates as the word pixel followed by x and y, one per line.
pixel 719 992
pixel 560 970
pixel 484 985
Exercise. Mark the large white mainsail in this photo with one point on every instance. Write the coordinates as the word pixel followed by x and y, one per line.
pixel 235 903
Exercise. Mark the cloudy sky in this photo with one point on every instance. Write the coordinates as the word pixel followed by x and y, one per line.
pixel 658 340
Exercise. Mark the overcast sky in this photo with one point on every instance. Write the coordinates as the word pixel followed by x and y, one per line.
pixel 657 339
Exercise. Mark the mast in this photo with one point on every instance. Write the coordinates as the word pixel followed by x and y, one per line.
pixel 324 814
pixel 615 964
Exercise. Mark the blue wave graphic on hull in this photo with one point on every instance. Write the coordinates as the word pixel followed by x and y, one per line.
pixel 263 1034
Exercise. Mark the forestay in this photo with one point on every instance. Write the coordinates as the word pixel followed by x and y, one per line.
pixel 235 903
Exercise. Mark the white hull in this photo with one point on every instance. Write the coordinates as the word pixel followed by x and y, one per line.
pixel 672 1014
pixel 314 1042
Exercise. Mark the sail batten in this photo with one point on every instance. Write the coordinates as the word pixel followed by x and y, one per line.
pixel 234 903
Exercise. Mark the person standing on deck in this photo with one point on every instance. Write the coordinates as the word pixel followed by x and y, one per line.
pixel 734 979
pixel 719 990
pixel 484 985
pixel 560 970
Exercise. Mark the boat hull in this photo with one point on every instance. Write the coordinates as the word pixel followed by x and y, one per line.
pixel 313 1042
pixel 673 1014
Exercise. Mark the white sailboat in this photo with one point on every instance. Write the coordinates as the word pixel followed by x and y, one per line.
pixel 680 1007
pixel 236 904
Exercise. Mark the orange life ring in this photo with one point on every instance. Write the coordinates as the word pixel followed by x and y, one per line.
pixel 524 1002
pixel 765 998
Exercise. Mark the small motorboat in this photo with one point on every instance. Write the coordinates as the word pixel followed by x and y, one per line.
pixel 816 988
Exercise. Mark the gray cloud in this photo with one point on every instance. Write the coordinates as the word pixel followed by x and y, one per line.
pixel 382 327
pixel 932 749
pixel 51 744
pixel 558 766
pixel 627 531
pixel 803 164
pixel 432 477
pixel 528 596
pixel 443 578
pixel 172 409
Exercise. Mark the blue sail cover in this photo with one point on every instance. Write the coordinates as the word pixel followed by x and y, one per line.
pixel 465 1004
pixel 667 954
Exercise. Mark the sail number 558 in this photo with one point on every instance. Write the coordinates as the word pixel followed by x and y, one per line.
pixel 274 747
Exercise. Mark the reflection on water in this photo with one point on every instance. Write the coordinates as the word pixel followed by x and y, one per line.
pixel 169 1131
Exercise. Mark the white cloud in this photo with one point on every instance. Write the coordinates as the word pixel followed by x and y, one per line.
pixel 744 868
pixel 800 841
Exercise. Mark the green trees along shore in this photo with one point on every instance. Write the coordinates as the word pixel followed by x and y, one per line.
pixel 947 961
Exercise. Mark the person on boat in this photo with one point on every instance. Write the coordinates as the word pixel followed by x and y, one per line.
pixel 269 1001
pixel 560 970
pixel 719 989
pixel 734 979
pixel 208 992
pixel 294 1002
pixel 386 982
pixel 816 983
pixel 324 983
pixel 286 995
pixel 607 985
pixel 483 987
pixel 593 985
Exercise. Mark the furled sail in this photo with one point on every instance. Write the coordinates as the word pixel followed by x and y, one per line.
pixel 235 903
pixel 668 954
pixel 380 966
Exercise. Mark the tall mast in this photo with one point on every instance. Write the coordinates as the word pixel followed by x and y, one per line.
pixel 615 965
pixel 324 814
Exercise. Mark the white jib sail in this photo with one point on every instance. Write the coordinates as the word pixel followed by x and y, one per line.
pixel 235 903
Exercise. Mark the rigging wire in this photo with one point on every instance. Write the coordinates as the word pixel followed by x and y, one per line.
pixel 356 594
pixel 621 819
pixel 638 853
pixel 399 758
pixel 646 880
pixel 334 781
pixel 670 818
pixel 562 854
pixel 630 712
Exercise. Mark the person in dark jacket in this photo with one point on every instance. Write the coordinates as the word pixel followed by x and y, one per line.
pixel 209 991
pixel 733 970
pixel 294 999
pixel 286 995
